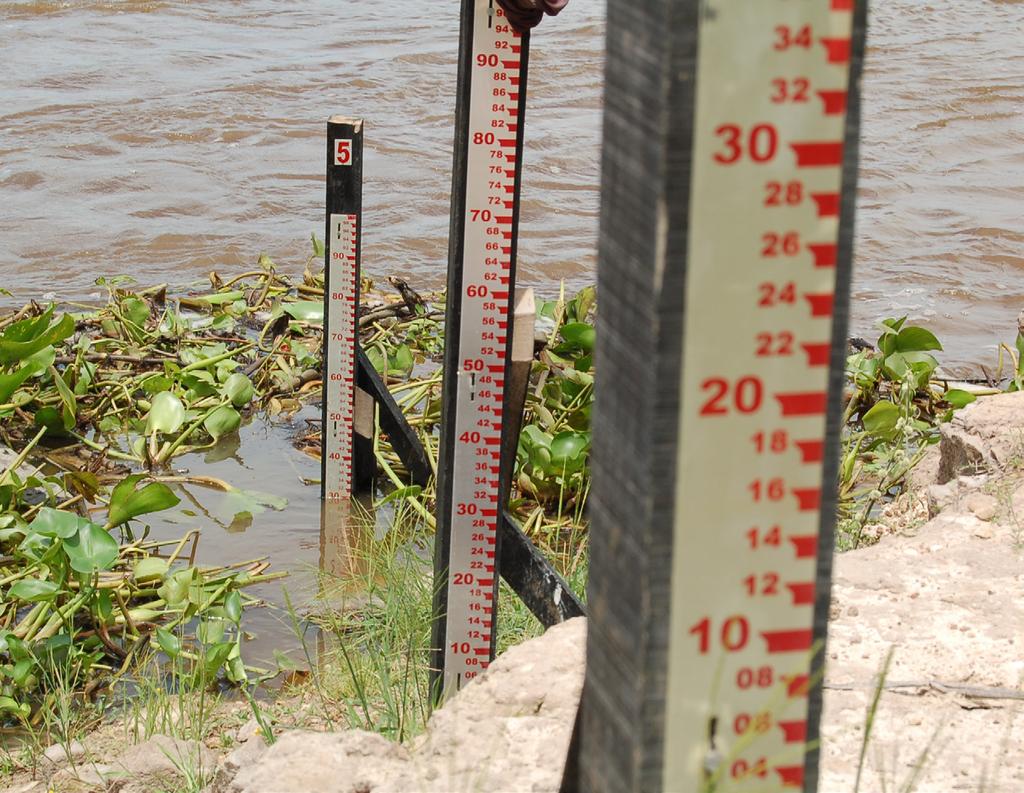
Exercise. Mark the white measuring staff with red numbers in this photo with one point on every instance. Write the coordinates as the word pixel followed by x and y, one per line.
pixel 340 358
pixel 767 157
pixel 483 342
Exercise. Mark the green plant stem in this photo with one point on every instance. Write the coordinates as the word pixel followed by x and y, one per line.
pixel 22 456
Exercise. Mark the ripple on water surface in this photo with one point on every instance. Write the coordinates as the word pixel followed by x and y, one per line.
pixel 202 123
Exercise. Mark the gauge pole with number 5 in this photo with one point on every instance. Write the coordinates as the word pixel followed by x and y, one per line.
pixel 481 283
pixel 724 272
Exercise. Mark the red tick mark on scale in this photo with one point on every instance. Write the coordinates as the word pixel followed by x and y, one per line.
pixel 791 775
pixel 835 102
pixel 803 594
pixel 821 304
pixel 794 731
pixel 806 545
pixel 808 499
pixel 817 354
pixel 788 641
pixel 797 685
pixel 811 451
pixel 825 255
pixel 812 403
pixel 828 204
pixel 838 50
pixel 818 155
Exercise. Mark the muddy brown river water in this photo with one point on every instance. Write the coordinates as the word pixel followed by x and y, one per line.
pixel 168 139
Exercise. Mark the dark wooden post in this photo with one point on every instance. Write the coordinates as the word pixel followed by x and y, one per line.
pixel 476 538
pixel 347 437
pixel 490 109
pixel 724 269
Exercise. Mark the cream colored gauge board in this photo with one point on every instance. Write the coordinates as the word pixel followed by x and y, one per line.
pixel 771 99
pixel 492 84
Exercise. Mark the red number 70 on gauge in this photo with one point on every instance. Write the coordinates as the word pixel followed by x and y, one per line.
pixel 343 152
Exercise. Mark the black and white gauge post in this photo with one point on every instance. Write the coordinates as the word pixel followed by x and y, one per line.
pixel 340 440
pixel 729 175
pixel 481 286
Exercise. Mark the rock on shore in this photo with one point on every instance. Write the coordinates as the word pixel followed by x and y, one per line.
pixel 508 730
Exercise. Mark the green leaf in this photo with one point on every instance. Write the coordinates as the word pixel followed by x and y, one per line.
pixel 154 385
pixel 166 415
pixel 104 605
pixel 168 642
pixel 216 655
pixel 219 298
pixel 50 418
pixel 211 631
pixel 9 383
pixel 11 527
pixel 583 302
pixel 533 437
pixel 892 325
pixel 17 649
pixel 149 569
pixel 238 503
pixel 35 545
pixel 67 397
pixel 959 398
pixel 881 419
pixel 34 365
pixel 240 522
pixel 238 388
pixel 135 310
pixel 377 359
pixel 401 359
pixel 922 364
pixel 92 549
pixel 233 606
pixel 55 523
pixel 235 669
pixel 84 483
pixel 25 338
pixel 222 421
pixel 283 661
pixel 9 705
pixel 411 491
pixel 34 590
pixel 22 673
pixel 568 452
pixel 579 334
pixel 174 590
pixel 896 366
pixel 305 311
pixel 126 502
pixel 318 247
pixel 915 339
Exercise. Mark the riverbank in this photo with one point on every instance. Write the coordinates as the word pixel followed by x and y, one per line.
pixel 129 386
pixel 102 407
pixel 922 693
pixel 923 685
